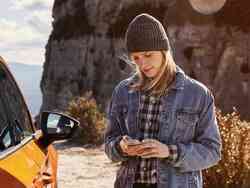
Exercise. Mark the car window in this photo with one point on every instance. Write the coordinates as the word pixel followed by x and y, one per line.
pixel 15 123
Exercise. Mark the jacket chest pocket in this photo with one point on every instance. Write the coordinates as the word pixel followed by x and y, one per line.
pixel 185 125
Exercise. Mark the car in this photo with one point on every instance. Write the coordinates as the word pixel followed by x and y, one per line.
pixel 27 156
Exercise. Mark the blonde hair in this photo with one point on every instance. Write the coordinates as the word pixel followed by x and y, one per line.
pixel 157 86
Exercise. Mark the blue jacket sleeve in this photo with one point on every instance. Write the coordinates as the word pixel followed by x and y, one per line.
pixel 205 150
pixel 114 130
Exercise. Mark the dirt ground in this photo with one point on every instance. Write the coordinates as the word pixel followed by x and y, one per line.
pixel 80 167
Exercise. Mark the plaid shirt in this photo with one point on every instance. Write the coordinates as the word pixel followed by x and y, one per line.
pixel 149 125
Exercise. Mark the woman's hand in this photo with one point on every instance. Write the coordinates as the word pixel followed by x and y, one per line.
pixel 129 145
pixel 150 148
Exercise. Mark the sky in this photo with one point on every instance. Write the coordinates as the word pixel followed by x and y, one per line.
pixel 25 26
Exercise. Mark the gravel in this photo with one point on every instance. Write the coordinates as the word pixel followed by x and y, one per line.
pixel 80 167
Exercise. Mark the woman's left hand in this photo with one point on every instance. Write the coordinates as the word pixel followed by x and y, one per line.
pixel 152 148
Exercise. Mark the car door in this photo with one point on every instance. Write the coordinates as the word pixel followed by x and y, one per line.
pixel 23 162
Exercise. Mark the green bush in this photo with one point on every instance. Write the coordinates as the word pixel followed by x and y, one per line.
pixel 233 171
pixel 92 121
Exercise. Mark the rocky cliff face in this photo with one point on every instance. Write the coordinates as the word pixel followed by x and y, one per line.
pixel 84 49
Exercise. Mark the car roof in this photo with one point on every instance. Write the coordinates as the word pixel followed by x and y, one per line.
pixel 2 61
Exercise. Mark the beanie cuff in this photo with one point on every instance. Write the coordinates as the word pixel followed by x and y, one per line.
pixel 153 45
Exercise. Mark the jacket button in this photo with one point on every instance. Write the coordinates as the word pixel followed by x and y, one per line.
pixel 144 168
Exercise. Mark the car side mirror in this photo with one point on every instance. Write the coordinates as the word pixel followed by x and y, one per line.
pixel 57 126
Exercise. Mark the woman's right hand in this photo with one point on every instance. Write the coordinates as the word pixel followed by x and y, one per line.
pixel 128 145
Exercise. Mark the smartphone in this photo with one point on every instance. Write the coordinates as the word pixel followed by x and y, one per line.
pixel 132 142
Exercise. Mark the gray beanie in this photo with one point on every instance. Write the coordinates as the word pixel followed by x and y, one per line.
pixel 146 33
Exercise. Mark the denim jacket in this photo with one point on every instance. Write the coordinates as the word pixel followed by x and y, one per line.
pixel 187 120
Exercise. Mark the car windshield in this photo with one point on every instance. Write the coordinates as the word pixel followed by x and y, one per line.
pixel 15 123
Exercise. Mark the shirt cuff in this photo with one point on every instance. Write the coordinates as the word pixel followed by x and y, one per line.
pixel 173 153
pixel 119 149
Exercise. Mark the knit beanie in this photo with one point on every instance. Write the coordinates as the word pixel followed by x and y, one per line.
pixel 146 33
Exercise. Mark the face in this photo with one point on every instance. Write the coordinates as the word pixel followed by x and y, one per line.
pixel 149 62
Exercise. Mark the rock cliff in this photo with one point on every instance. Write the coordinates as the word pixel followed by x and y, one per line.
pixel 86 45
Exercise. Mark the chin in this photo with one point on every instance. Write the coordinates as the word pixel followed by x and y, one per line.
pixel 149 76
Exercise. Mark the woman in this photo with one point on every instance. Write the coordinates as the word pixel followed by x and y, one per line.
pixel 162 123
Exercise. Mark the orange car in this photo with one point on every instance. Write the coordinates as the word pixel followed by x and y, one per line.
pixel 27 158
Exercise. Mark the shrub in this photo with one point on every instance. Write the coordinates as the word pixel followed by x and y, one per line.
pixel 92 121
pixel 233 171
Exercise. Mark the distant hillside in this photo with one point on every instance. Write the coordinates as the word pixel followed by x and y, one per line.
pixel 28 78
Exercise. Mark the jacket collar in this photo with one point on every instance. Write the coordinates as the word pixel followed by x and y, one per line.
pixel 178 83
